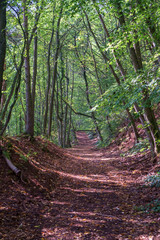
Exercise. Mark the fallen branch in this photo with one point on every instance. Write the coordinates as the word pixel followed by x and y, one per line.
pixel 16 170
pixel 12 166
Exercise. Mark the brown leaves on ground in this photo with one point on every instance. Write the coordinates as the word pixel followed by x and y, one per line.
pixel 79 193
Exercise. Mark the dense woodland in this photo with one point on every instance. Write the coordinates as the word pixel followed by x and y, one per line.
pixel 70 65
pixel 79 119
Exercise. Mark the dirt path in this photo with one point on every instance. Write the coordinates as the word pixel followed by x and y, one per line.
pixel 94 199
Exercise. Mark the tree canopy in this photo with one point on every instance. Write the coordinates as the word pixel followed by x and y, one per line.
pixel 70 65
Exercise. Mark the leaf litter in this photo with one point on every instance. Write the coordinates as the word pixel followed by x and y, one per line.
pixel 77 193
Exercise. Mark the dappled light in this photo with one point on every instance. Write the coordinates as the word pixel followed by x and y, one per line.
pixel 77 193
pixel 79 120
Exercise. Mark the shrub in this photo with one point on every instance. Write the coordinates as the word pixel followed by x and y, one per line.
pixel 153 180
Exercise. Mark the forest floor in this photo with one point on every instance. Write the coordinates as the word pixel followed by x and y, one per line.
pixel 79 193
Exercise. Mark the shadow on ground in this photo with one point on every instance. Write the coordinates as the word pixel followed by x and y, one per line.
pixel 93 199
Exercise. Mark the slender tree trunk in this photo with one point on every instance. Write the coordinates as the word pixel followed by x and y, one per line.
pixel 54 73
pixel 66 107
pixel 29 100
pixel 113 71
pixel 14 101
pixel 3 97
pixel 34 77
pixel 149 22
pixel 3 5
pixel 123 73
pixel 20 124
pixel 96 70
pixel 70 113
pixel 147 130
pixel 61 105
pixel 52 98
pixel 119 65
pixel 17 79
pixel 138 50
pixel 149 113
pixel 57 115
pixel 87 93
pixel 90 106
pixel 49 76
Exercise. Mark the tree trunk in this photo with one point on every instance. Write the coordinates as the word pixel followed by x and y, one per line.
pixel 29 100
pixel 146 129
pixel 149 22
pixel 113 71
pixel 137 63
pixel 17 80
pixel 96 70
pixel 49 76
pixel 66 107
pixel 70 116
pixel 89 104
pixel 52 98
pixel 54 73
pixel 34 77
pixel 3 5
pixel 119 65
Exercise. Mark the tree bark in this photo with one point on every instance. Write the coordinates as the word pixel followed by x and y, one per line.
pixel 70 113
pixel 66 109
pixel 149 22
pixel 54 73
pixel 29 100
pixel 34 77
pixel 89 104
pixel 17 80
pixel 113 71
pixel 119 65
pixel 3 5
pixel 49 76
pixel 96 70
pixel 149 113
pixel 12 166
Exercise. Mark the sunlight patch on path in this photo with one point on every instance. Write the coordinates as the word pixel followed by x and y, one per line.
pixel 80 177
pixel 94 158
pixel 89 190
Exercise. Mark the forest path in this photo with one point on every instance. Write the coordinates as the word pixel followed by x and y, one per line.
pixel 81 193
pixel 95 200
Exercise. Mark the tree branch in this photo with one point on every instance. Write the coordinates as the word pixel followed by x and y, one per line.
pixel 77 113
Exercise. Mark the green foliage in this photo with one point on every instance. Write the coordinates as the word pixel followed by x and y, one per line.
pixel 107 98
pixel 153 206
pixel 130 91
pixel 6 154
pixel 92 134
pixel 142 146
pixel 153 180
pixel 111 100
pixel 24 157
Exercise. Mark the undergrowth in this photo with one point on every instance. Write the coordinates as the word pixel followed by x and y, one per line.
pixel 141 147
pixel 153 180
pixel 153 206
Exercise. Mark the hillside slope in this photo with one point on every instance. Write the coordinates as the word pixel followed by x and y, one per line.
pixel 78 193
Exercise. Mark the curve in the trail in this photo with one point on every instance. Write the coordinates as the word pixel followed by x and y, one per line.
pixel 91 200
pixel 94 195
